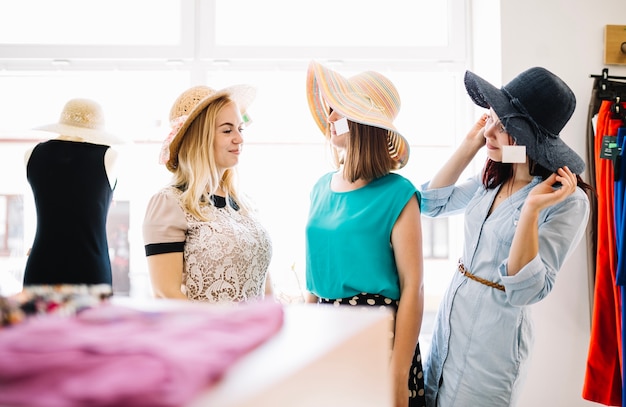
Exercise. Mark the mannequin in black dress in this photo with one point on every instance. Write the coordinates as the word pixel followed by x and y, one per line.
pixel 72 179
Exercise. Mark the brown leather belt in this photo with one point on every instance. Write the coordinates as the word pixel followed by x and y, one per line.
pixel 468 274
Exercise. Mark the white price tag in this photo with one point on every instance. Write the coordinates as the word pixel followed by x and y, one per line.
pixel 341 126
pixel 514 154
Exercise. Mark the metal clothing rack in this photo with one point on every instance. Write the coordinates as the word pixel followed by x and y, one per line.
pixel 612 88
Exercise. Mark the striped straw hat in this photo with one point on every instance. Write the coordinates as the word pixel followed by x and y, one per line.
pixel 367 98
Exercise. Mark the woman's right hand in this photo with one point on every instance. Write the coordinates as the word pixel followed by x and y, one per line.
pixel 476 135
pixel 462 156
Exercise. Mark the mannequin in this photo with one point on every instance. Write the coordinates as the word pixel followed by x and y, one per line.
pixel 110 157
pixel 72 177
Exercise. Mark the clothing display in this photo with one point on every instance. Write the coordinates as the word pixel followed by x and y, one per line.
pixel 225 259
pixel 604 372
pixel 620 207
pixel 72 197
pixel 620 225
pixel 38 300
pixel 161 357
pixel 466 359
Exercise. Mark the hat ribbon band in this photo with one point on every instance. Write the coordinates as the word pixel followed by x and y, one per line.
pixel 526 116
pixel 176 124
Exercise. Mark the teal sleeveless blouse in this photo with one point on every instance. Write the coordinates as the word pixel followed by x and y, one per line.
pixel 348 237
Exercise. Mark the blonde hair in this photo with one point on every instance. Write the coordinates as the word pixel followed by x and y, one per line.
pixel 197 174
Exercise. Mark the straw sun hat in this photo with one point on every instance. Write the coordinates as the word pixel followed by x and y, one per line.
pixel 367 98
pixel 189 105
pixel 533 108
pixel 82 118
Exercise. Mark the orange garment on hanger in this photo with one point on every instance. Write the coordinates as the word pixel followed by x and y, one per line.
pixel 603 383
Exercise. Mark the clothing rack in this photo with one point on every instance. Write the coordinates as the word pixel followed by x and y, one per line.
pixel 612 88
pixel 605 75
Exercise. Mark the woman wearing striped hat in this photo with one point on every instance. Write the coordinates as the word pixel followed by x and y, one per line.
pixel 363 235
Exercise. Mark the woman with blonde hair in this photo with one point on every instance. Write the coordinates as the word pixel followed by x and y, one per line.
pixel 202 239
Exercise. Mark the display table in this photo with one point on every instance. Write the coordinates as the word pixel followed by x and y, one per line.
pixel 295 355
pixel 322 356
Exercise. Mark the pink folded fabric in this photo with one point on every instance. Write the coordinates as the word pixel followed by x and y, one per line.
pixel 117 356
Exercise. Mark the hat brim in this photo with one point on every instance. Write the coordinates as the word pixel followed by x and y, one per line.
pixel 94 136
pixel 243 95
pixel 328 89
pixel 550 153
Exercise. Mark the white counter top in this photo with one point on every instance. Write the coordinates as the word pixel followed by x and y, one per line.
pixel 322 356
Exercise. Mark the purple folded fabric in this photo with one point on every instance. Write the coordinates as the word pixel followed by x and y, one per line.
pixel 117 356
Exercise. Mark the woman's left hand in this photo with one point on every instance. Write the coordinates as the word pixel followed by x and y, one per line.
pixel 545 194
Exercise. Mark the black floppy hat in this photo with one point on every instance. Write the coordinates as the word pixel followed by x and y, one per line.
pixel 533 108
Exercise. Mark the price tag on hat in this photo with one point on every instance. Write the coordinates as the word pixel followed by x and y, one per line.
pixel 514 154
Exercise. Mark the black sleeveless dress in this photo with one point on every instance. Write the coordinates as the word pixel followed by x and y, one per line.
pixel 72 198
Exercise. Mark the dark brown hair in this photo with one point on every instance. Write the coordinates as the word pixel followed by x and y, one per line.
pixel 496 173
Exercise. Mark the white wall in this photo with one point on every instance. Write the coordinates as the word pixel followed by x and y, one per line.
pixel 566 37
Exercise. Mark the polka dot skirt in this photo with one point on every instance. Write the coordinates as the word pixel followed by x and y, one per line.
pixel 416 375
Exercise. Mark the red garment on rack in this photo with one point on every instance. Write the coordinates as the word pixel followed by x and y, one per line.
pixel 603 383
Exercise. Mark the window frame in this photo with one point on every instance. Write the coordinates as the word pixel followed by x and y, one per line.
pixel 199 57
pixel 198 47
pixel 455 51
pixel 20 56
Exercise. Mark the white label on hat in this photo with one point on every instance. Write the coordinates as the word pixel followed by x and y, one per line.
pixel 514 154
pixel 341 126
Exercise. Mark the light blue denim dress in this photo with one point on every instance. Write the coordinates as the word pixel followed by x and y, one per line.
pixel 482 336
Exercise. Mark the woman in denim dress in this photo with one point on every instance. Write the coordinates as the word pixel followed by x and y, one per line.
pixel 524 213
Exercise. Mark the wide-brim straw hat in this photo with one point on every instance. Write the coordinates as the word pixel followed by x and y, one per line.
pixel 368 98
pixel 189 105
pixel 533 108
pixel 84 119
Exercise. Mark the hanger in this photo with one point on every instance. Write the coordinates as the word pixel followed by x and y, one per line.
pixel 618 110
pixel 610 87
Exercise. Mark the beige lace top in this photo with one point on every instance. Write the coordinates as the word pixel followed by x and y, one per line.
pixel 225 259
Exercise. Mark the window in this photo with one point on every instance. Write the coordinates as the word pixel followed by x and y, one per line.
pixel 66 30
pixel 435 238
pixel 11 242
pixel 138 63
pixel 118 223
pixel 11 224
